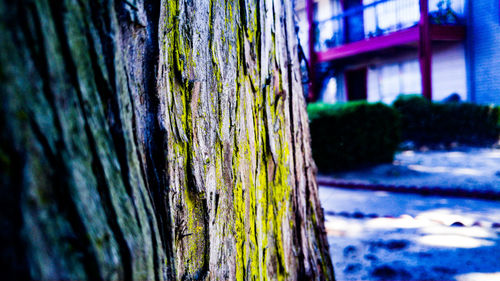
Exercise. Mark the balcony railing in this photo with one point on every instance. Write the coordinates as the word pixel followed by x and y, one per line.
pixel 380 17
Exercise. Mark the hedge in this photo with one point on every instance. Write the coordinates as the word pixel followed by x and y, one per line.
pixel 353 134
pixel 424 122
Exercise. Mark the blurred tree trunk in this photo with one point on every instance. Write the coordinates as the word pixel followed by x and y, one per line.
pixel 155 140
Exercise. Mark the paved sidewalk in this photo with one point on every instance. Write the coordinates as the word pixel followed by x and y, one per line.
pixel 377 235
pixel 473 169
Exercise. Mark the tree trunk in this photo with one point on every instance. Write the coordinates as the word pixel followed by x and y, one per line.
pixel 155 140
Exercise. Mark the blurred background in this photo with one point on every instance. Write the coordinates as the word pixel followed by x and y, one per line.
pixel 403 101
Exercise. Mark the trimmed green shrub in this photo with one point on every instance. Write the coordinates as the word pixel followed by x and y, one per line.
pixel 353 134
pixel 425 122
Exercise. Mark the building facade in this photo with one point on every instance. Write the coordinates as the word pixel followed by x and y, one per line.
pixel 376 50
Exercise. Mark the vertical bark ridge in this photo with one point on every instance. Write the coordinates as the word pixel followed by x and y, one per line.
pixel 58 11
pixel 79 240
pixel 60 175
pixel 150 215
pixel 106 88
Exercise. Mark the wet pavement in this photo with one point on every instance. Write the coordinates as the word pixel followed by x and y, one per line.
pixel 393 236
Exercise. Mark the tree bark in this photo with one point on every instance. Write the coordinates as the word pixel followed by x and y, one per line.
pixel 156 140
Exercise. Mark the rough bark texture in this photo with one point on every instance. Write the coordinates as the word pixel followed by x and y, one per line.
pixel 155 140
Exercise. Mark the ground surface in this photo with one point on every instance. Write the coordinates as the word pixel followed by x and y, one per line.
pixel 393 236
pixel 386 236
pixel 466 168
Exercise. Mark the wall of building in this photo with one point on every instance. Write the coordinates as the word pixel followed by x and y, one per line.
pixel 483 34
